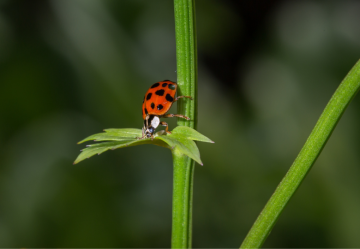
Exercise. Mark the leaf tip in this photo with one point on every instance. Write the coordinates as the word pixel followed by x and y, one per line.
pixel 212 142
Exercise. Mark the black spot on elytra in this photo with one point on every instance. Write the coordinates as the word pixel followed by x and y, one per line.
pixel 160 92
pixel 164 84
pixel 155 85
pixel 159 107
pixel 169 98
pixel 148 96
pixel 146 112
pixel 152 105
pixel 171 86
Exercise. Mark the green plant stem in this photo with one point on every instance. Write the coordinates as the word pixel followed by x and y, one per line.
pixel 306 158
pixel 186 57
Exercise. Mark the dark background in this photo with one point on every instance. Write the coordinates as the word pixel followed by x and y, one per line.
pixel 70 68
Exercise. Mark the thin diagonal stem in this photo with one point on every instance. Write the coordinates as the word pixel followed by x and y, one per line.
pixel 306 158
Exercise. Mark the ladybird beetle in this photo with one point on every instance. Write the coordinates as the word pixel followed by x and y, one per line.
pixel 157 101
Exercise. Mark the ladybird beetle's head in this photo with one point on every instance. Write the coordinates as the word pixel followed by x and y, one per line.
pixel 151 122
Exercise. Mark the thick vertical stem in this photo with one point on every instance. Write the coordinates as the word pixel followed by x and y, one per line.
pixel 186 56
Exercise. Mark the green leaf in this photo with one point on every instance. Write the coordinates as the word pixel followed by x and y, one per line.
pixel 99 148
pixel 180 141
pixel 190 133
pixel 183 146
pixel 127 132
pixel 115 134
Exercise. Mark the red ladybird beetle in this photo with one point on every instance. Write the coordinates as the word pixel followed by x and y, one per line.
pixel 157 101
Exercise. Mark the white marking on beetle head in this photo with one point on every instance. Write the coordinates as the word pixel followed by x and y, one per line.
pixel 155 122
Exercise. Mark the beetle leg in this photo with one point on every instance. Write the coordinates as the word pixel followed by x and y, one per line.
pixel 167 127
pixel 175 115
pixel 179 97
pixel 142 133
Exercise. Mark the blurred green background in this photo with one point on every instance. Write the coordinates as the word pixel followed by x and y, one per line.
pixel 70 68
